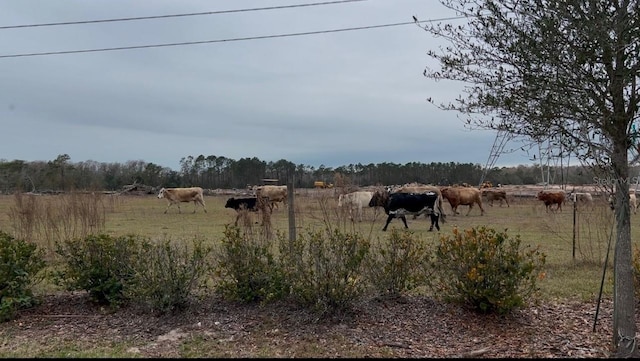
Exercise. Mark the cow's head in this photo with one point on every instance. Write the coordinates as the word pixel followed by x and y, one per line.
pixel 612 201
pixel 161 193
pixel 379 198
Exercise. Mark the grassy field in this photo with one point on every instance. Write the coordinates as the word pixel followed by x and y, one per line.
pixel 566 276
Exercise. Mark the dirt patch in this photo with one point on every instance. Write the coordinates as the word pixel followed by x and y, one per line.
pixel 413 326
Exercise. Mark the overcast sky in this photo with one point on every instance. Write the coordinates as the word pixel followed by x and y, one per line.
pixel 331 99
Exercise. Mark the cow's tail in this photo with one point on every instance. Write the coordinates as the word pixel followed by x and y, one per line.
pixel 443 216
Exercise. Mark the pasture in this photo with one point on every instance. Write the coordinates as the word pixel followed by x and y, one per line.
pixel 566 276
pixel 67 326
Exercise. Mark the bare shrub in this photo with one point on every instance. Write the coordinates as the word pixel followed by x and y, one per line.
pixel 49 219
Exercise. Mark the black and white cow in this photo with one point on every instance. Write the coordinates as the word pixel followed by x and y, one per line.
pixel 240 204
pixel 397 205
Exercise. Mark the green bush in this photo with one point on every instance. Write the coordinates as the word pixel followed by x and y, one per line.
pixel 324 269
pixel 398 264
pixel 99 264
pixel 19 264
pixel 165 274
pixel 486 270
pixel 247 269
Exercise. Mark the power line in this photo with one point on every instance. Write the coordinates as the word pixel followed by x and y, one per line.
pixel 177 15
pixel 225 40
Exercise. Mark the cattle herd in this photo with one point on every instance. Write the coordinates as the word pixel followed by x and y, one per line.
pixel 397 201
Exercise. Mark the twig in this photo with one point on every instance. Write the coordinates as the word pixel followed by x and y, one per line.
pixel 63 316
pixel 471 354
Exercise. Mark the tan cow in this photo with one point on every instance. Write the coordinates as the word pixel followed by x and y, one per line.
pixel 275 194
pixel 495 195
pixel 462 196
pixel 179 195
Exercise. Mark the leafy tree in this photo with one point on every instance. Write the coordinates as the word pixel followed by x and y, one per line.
pixel 564 71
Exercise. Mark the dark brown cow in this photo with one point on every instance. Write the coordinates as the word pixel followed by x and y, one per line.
pixel 462 196
pixel 178 195
pixel 495 195
pixel 552 197
pixel 242 205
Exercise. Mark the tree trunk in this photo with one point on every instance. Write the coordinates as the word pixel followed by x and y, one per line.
pixel 624 325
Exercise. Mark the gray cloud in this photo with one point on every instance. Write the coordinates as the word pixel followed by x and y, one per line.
pixel 332 99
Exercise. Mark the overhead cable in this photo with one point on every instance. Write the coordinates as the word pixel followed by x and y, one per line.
pixel 177 15
pixel 224 40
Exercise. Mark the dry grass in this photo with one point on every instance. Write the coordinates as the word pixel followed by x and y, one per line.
pixel 567 277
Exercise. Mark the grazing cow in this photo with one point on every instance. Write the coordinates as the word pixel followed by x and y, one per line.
pixel 632 202
pixel 552 197
pixel 274 193
pixel 355 201
pixel 397 205
pixel 495 195
pixel 242 204
pixel 178 195
pixel 462 196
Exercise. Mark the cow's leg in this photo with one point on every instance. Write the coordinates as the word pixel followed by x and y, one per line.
pixel 170 204
pixel 404 220
pixel 481 209
pixel 201 201
pixel 507 201
pixel 470 206
pixel 431 215
pixel 434 221
pixel 389 218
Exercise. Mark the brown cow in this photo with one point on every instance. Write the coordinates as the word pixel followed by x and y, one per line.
pixel 495 195
pixel 552 197
pixel 178 195
pixel 465 196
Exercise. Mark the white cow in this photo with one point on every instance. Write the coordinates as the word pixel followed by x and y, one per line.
pixel 178 195
pixel 632 202
pixel 355 201
pixel 582 198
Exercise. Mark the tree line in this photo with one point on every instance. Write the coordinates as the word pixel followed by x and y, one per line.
pixel 214 172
